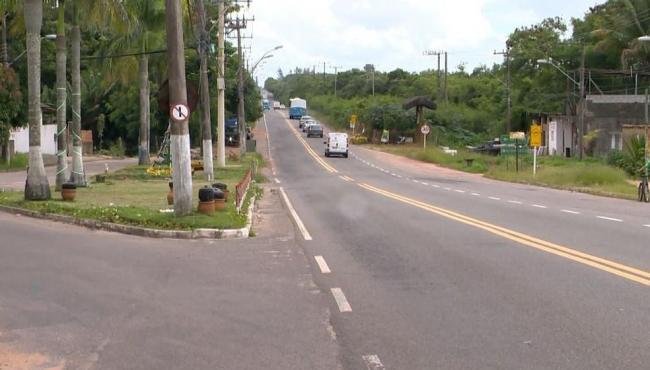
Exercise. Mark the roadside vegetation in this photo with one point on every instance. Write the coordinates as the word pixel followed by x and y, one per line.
pixel 589 176
pixel 131 196
pixel 17 162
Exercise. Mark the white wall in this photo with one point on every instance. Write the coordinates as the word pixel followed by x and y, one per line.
pixel 20 137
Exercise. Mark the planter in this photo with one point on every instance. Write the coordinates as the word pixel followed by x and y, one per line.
pixel 170 198
pixel 206 194
pixel 207 207
pixel 68 192
pixel 219 204
pixel 218 194
pixel 223 187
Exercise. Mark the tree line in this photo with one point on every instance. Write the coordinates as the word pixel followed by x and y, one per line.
pixel 474 107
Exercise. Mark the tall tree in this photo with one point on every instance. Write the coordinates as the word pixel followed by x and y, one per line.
pixel 61 97
pixel 206 121
pixel 180 135
pixel 37 186
pixel 77 176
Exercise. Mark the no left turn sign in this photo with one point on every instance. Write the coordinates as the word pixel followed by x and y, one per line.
pixel 179 112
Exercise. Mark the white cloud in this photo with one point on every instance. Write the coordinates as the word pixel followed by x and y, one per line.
pixel 391 33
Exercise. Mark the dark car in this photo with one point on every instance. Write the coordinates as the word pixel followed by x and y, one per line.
pixel 232 132
pixel 315 130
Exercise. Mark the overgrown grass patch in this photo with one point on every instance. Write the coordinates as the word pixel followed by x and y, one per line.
pixel 18 162
pixel 131 196
pixel 589 175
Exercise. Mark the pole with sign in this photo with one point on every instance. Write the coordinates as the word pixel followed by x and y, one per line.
pixel 353 122
pixel 425 130
pixel 535 142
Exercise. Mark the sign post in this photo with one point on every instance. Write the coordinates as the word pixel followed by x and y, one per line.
pixel 425 129
pixel 353 122
pixel 535 142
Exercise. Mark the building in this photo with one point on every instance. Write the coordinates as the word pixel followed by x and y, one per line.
pixel 606 116
pixel 19 139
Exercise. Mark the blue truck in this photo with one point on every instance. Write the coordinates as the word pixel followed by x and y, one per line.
pixel 298 108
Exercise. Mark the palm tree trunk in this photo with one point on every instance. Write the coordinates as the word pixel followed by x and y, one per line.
pixel 4 57
pixel 206 121
pixel 143 150
pixel 36 185
pixel 61 97
pixel 77 176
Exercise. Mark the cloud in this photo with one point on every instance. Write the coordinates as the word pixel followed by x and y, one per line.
pixel 391 33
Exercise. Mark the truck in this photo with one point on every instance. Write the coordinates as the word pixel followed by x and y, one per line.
pixel 266 105
pixel 276 105
pixel 298 108
pixel 336 144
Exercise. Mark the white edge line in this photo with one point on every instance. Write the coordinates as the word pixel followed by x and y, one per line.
pixel 341 301
pixel 324 268
pixel 296 218
pixel 610 219
pixel 373 362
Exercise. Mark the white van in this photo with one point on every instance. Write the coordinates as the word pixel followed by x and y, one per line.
pixel 336 144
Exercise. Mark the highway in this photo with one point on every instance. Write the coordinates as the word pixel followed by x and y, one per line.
pixel 428 268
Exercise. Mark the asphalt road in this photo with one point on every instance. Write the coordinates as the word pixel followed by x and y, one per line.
pixel 71 298
pixel 431 269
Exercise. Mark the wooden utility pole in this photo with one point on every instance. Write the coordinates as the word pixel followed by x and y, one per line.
pixel 583 103
pixel 506 54
pixel 336 74
pixel 221 87
pixel 446 73
pixel 237 25
pixel 179 113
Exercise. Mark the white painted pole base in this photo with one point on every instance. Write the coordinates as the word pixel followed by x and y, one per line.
pixel 182 174
pixel 37 187
pixel 77 175
pixel 208 165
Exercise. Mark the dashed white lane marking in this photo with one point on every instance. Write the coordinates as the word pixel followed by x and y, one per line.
pixel 398 176
pixel 393 174
pixel 324 268
pixel 276 180
pixel 646 225
pixel 436 186
pixel 424 183
pixel 515 202
pixel 460 191
pixel 494 198
pixel 448 189
pixel 341 301
pixel 610 219
pixel 539 206
pixel 373 362
pixel 296 218
pixel 570 211
pixel 476 194
pixel 417 181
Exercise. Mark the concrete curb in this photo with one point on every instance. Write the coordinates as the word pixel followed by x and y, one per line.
pixel 143 231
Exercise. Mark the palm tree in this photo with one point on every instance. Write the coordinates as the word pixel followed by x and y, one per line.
pixel 206 122
pixel 36 185
pixel 77 175
pixel 61 97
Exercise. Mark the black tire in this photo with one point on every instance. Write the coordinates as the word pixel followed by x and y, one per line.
pixel 345 155
pixel 327 154
pixel 218 193
pixel 206 194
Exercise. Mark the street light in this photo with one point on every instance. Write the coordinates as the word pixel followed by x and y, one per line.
pixel 46 37
pixel 549 61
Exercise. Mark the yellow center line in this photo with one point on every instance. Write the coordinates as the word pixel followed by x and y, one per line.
pixel 311 152
pixel 630 273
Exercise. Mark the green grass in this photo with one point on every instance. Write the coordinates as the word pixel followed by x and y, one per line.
pixel 588 176
pixel 130 196
pixel 18 162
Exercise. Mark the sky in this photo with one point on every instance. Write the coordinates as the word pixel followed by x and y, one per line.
pixel 390 33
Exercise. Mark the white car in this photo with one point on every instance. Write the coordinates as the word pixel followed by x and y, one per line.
pixel 303 119
pixel 336 144
pixel 308 123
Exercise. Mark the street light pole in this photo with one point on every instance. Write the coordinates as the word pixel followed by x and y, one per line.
pixel 645 147
pixel 583 102
pixel 221 104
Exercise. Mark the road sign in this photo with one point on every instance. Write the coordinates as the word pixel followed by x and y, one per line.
pixel 179 112
pixel 536 136
pixel 425 129
pixel 353 121
pixel 517 135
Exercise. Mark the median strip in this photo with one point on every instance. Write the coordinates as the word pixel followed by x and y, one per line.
pixel 627 272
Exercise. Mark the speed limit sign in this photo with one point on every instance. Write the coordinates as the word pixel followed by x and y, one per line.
pixel 425 129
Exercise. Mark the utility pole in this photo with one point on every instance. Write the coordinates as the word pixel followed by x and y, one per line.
pixel 583 102
pixel 237 25
pixel 506 54
pixel 206 121
pixel 180 134
pixel 439 78
pixel 645 147
pixel 446 95
pixel 221 86
pixel 336 74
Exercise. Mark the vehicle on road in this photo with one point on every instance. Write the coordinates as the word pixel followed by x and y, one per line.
pixel 276 105
pixel 308 123
pixel 315 130
pixel 336 144
pixel 266 105
pixel 303 119
pixel 232 132
pixel 298 108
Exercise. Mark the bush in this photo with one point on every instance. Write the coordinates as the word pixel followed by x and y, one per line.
pixel 615 158
pixel 359 139
pixel 633 155
pixel 117 149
